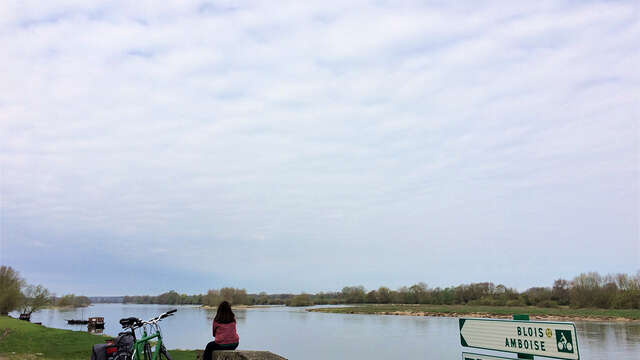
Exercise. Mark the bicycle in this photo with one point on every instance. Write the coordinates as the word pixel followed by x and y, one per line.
pixel 564 345
pixel 142 347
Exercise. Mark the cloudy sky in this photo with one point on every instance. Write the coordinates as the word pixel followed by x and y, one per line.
pixel 306 146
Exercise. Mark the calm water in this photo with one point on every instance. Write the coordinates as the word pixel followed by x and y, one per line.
pixel 298 334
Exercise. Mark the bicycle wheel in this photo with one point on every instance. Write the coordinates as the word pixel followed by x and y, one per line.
pixel 147 352
pixel 164 354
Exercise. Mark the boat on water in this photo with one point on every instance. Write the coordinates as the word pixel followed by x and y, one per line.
pixel 96 322
pixel 93 322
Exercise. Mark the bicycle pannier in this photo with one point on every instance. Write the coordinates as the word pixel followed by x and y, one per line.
pixel 99 352
pixel 124 343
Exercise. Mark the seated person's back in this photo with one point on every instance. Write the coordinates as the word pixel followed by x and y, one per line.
pixel 224 331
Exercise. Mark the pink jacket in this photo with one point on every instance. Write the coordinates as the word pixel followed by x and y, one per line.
pixel 225 333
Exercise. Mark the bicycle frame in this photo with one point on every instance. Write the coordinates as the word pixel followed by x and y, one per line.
pixel 141 347
pixel 138 347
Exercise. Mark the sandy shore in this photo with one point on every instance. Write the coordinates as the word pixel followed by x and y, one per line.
pixel 482 315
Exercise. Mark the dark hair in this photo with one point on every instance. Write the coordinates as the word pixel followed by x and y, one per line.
pixel 224 314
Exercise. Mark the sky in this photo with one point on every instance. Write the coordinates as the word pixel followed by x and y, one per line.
pixel 311 145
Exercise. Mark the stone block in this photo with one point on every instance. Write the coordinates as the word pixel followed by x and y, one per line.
pixel 241 355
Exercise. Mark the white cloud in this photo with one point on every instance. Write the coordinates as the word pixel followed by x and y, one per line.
pixel 369 142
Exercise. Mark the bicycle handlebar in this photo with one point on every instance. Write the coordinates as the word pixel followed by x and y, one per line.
pixel 168 313
pixel 136 323
pixel 161 316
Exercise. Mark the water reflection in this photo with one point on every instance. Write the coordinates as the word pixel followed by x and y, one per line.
pixel 603 340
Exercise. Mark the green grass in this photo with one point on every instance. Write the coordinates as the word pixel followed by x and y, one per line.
pixel 455 310
pixel 24 340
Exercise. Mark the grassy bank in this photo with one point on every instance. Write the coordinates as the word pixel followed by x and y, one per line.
pixel 22 340
pixel 560 313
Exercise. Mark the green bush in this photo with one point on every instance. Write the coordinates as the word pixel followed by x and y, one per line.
pixel 300 300
pixel 514 303
pixel 548 304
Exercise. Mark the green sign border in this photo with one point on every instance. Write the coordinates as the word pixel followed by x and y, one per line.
pixel 497 357
pixel 463 342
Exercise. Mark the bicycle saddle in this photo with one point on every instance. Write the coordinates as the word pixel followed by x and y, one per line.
pixel 125 322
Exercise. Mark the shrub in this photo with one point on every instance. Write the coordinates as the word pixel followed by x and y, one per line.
pixel 300 300
pixel 514 303
pixel 548 304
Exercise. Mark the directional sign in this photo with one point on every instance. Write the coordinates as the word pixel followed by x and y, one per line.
pixel 471 356
pixel 542 338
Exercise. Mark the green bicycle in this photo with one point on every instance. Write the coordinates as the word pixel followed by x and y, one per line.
pixel 142 347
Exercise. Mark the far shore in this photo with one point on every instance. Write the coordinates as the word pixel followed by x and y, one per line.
pixel 239 306
pixel 66 307
pixel 456 311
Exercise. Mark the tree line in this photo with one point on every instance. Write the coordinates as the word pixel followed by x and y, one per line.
pixel 619 291
pixel 213 297
pixel 71 300
pixel 17 294
pixel 587 290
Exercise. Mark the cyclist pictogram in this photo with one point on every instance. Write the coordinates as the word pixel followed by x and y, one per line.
pixel 565 343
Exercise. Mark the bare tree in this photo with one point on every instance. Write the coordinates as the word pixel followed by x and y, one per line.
pixel 35 298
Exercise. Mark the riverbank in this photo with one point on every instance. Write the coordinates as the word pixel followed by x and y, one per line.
pixel 240 306
pixel 506 312
pixel 22 340
pixel 66 307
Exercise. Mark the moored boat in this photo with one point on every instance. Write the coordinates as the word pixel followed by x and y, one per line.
pixel 96 322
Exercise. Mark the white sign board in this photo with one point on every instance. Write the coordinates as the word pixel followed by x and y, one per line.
pixel 471 356
pixel 542 338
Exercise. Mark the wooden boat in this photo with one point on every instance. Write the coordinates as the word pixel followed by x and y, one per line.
pixel 96 322
pixel 77 322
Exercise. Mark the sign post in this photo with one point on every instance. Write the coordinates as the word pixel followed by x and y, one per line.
pixel 542 338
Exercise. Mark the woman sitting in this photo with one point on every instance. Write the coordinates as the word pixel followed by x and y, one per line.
pixel 224 331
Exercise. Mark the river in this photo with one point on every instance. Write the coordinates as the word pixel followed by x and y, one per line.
pixel 298 334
